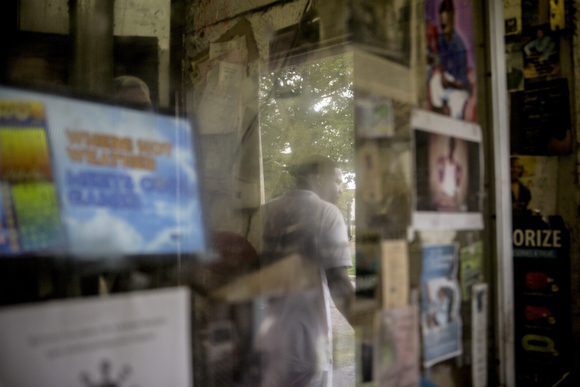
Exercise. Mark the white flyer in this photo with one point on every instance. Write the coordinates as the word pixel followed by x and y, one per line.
pixel 135 339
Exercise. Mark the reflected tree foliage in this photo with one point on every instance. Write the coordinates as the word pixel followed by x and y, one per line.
pixel 307 109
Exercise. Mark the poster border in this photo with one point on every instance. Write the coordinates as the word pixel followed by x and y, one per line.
pixel 433 220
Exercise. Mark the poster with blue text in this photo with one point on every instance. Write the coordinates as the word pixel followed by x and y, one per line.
pixel 126 180
pixel 440 302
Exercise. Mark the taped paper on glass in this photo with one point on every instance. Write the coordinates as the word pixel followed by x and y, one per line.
pixel 138 339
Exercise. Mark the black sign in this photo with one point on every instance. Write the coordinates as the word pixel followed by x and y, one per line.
pixel 542 300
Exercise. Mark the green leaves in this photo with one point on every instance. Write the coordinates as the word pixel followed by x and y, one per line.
pixel 306 109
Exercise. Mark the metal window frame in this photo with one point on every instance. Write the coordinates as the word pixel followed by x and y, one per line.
pixel 501 141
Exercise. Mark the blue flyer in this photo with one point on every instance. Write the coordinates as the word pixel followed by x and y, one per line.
pixel 440 302
pixel 126 180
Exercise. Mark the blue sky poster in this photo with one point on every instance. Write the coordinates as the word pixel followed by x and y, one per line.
pixel 127 180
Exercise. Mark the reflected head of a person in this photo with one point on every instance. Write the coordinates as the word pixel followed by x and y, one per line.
pixel 131 89
pixel 516 169
pixel 319 174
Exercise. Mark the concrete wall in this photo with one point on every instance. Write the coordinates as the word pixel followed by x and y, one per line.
pixel 206 21
pixel 149 18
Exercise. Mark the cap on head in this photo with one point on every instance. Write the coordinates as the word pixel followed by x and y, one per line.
pixel 313 165
pixel 131 89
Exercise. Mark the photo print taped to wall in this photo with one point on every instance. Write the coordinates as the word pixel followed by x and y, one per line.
pixel 448 173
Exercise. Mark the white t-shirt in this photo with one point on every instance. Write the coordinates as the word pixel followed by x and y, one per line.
pixel 301 223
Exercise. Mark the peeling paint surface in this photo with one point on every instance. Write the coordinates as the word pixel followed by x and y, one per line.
pixel 202 31
pixel 143 18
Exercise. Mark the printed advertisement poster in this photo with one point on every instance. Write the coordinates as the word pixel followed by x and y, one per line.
pixel 29 211
pixel 440 302
pixel 541 52
pixel 529 177
pixel 374 117
pixel 540 119
pixel 471 258
pixel 139 339
pixel 126 180
pixel 397 348
pixel 451 80
pixel 479 308
pixel 449 173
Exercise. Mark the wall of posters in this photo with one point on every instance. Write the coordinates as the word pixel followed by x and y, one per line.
pixel 450 57
pixel 138 339
pixel 440 302
pixel 449 173
pixel 126 181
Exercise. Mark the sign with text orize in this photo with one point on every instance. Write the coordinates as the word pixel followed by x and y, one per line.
pixel 541 300
pixel 91 180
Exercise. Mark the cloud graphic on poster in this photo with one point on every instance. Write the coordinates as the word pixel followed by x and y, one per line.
pixel 103 236
pixel 189 234
pixel 165 240
pixel 185 162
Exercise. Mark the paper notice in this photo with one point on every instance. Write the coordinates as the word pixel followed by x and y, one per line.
pixel 234 50
pixel 395 273
pixel 219 111
pixel 137 339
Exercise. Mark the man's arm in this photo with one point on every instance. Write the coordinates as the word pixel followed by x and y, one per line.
pixel 341 289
